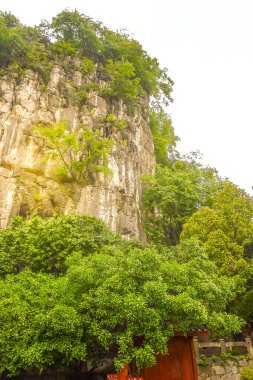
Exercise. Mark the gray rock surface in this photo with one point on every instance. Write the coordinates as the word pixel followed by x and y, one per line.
pixel 27 185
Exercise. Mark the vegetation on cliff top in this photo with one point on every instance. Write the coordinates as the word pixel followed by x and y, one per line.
pixel 128 70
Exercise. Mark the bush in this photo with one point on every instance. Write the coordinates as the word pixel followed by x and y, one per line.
pixel 87 67
pixel 80 152
pixel 123 82
pixel 64 48
pixel 247 373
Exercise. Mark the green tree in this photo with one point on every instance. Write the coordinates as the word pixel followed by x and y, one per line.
pixel 81 152
pixel 23 47
pixel 119 302
pixel 8 19
pixel 173 194
pixel 12 46
pixel 37 330
pixel 77 29
pixel 163 136
pixel 235 207
pixel 123 81
pixel 44 244
pixel 154 81
pixel 225 230
pixel 105 302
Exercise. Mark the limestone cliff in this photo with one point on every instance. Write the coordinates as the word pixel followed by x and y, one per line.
pixel 27 185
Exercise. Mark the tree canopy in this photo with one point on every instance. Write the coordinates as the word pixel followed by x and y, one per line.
pixel 44 244
pixel 97 301
pixel 178 188
pixel 226 229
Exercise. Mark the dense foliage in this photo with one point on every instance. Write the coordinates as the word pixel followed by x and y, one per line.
pixel 37 329
pixel 225 229
pixel 173 194
pixel 80 153
pixel 163 134
pixel 129 71
pixel 44 245
pixel 186 200
pixel 103 304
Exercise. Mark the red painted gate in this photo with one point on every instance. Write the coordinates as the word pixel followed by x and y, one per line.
pixel 179 364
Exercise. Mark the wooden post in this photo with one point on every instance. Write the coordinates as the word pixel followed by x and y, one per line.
pixel 249 346
pixel 195 343
pixel 222 345
pixel 122 375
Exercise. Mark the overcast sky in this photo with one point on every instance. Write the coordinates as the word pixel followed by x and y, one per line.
pixel 208 50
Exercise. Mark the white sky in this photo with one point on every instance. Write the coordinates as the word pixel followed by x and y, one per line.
pixel 208 49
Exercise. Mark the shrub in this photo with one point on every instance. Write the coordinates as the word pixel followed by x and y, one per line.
pixel 80 152
pixel 247 373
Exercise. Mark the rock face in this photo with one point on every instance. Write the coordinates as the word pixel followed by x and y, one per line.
pixel 27 185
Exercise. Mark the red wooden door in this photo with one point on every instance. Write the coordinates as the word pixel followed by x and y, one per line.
pixel 178 364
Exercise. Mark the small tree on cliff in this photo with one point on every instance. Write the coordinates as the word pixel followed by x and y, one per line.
pixel 81 152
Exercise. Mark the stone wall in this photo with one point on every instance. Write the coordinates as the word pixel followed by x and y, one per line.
pixel 229 370
pixel 223 359
pixel 116 199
